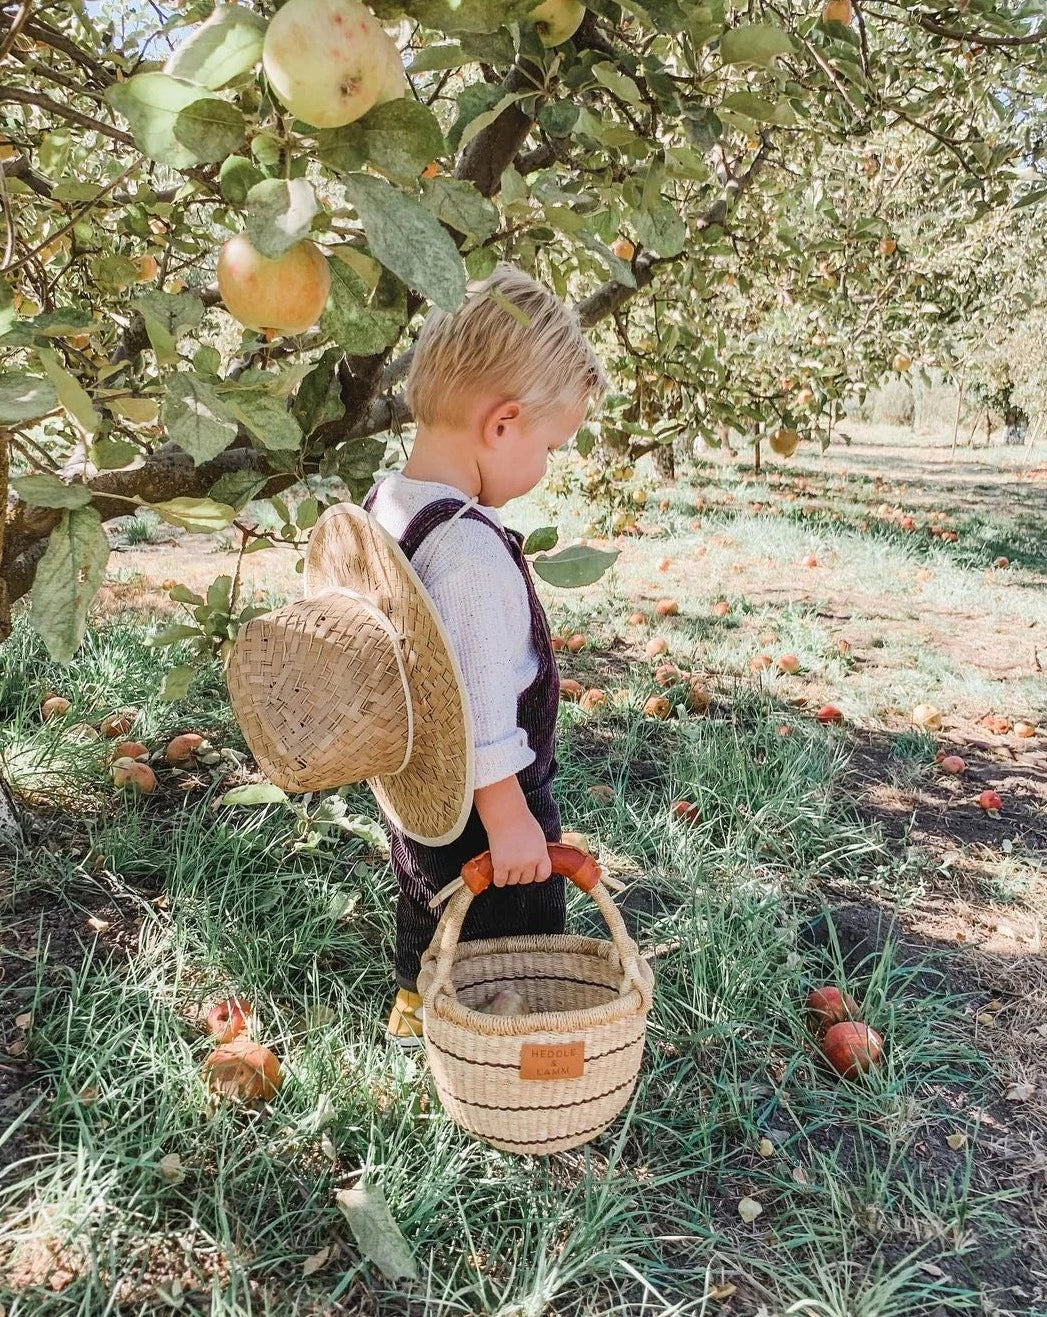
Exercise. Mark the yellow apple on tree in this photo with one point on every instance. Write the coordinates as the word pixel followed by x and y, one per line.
pixel 328 61
pixel 838 11
pixel 284 295
pixel 901 362
pixel 784 442
pixel 623 249
pixel 557 20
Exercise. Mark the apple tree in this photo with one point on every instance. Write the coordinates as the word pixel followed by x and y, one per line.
pixel 223 225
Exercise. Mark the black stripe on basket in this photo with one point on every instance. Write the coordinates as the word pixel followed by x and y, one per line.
pixel 554 1138
pixel 510 1065
pixel 557 1106
pixel 535 978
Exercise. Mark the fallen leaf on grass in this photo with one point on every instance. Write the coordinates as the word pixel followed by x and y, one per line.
pixel 171 1168
pixel 1019 1092
pixel 985 1019
pixel 956 1141
pixel 377 1235
pixel 99 925
pixel 749 1209
pixel 24 1020
pixel 932 1269
pixel 316 1261
pixel 766 1148
pixel 799 1175
pixel 719 1293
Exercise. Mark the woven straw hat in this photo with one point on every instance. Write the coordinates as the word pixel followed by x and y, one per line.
pixel 358 682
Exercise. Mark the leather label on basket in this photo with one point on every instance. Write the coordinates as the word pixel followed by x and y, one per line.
pixel 552 1060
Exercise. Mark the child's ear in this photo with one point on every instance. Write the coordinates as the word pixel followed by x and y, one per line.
pixel 500 422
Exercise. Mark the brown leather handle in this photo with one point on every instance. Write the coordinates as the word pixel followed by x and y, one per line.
pixel 580 867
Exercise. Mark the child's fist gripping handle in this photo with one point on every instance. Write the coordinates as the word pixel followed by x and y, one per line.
pixel 582 869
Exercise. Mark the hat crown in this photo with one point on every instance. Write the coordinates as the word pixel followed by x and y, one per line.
pixel 319 689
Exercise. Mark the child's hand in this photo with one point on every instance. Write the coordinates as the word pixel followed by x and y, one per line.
pixel 519 850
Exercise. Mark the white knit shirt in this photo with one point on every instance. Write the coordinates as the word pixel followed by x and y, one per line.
pixel 481 597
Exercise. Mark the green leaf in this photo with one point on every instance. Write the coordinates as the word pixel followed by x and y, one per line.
pixel 349 318
pixel 255 793
pixel 67 579
pixel 575 566
pixel 270 423
pixel 47 491
pixel 617 82
pixel 472 100
pixel 456 202
pixel 111 454
pixel 754 43
pixel 660 228
pixel 151 104
pixel 195 418
pixel 176 683
pixel 469 15
pixel 319 397
pixel 210 128
pixel 755 107
pixel 541 540
pixel 237 177
pixel 71 393
pixel 481 262
pixel 172 634
pixel 228 44
pixel 279 214
pixel 201 515
pixel 377 1235
pixel 25 397
pixel 167 316
pixel 236 488
pixel 435 58
pixel 181 594
pixel 401 137
pixel 368 830
pixel 408 240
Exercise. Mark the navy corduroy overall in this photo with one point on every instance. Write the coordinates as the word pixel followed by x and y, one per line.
pixel 421 871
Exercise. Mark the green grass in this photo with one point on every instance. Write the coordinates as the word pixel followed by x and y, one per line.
pixel 201 900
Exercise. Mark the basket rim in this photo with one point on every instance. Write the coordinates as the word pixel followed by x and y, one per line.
pixel 447 1007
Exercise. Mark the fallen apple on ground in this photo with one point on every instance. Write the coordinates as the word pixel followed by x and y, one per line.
pixel 927 717
pixel 228 1019
pixel 637 619
pixel 687 811
pixel 657 706
pixel 243 1069
pixel 181 750
pixel 954 764
pixel 1024 729
pixel 991 802
pixel 118 724
pixel 128 750
pixel 829 713
pixel 667 608
pixel 655 646
pixel 828 1006
pixel 133 775
pixel 667 675
pixel 576 643
pixel 760 663
pixel 851 1048
pixel 55 706
pixel 570 689
pixel 593 699
pixel 789 664
pixel 721 609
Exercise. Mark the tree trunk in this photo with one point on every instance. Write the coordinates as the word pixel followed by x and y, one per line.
pixel 959 408
pixel 756 457
pixel 664 458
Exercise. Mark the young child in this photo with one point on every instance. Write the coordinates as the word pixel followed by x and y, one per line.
pixel 492 394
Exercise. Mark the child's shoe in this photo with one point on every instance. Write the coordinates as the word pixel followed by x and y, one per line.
pixel 405 1019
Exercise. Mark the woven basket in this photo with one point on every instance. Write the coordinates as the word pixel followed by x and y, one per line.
pixel 555 1078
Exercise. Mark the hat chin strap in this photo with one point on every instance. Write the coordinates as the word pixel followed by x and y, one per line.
pixel 398 642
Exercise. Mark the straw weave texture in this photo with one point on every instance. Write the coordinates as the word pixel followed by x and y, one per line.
pixel 578 989
pixel 431 799
pixel 312 706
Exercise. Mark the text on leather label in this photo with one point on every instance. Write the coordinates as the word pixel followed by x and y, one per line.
pixel 552 1060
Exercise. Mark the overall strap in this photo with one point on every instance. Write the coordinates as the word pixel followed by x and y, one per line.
pixel 438 516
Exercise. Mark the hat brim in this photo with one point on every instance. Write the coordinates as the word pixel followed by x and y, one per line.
pixel 431 799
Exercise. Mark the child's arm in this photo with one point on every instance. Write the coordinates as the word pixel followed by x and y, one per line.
pixel 519 851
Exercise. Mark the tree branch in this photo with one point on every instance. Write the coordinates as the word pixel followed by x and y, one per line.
pixel 16 96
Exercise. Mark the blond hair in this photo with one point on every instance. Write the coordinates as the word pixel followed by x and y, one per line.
pixel 510 335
